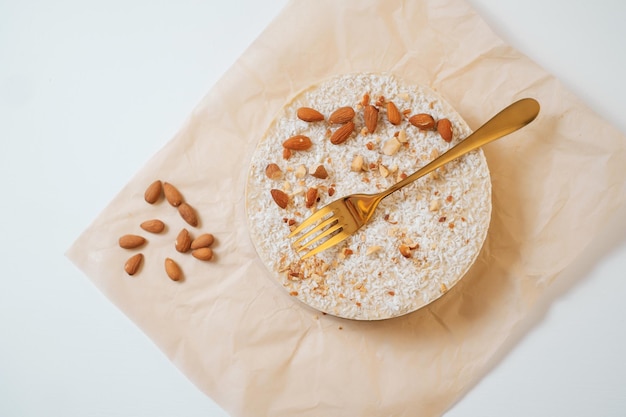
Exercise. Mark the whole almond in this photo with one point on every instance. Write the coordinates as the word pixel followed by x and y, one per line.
pixel 320 172
pixel 311 197
pixel 204 254
pixel 280 198
pixel 342 134
pixel 188 214
pixel 309 115
pixel 173 196
pixel 341 115
pixel 393 114
pixel 273 172
pixel 370 115
pixel 153 226
pixel 133 263
pixel 153 192
pixel 422 121
pixel 173 270
pixel 183 241
pixel 203 241
pixel 131 241
pixel 297 143
pixel 444 127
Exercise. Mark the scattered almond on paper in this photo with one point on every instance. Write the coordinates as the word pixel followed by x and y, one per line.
pixel 184 243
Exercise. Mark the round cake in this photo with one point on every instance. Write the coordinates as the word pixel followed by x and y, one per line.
pixel 361 133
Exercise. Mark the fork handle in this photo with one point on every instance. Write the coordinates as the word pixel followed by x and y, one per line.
pixel 508 120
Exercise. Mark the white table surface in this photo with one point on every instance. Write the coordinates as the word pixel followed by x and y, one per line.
pixel 90 90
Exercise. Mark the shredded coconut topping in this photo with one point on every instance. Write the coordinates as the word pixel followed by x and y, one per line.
pixel 440 221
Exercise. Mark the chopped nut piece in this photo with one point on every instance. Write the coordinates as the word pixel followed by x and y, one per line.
pixel 442 219
pixel 384 172
pixel 331 191
pixel 300 171
pixel 357 164
pixel 286 153
pixel 372 249
pixel 405 250
pixel 386 217
pixel 293 293
pixel 402 136
pixel 320 172
pixel 392 293
pixel 280 198
pixel 434 205
pixel 366 99
pixel 273 172
pixel 370 146
pixel 391 146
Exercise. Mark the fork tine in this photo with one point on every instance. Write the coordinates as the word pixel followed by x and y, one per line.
pixel 316 229
pixel 322 235
pixel 329 243
pixel 310 220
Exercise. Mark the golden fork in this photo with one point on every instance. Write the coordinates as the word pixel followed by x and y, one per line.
pixel 343 217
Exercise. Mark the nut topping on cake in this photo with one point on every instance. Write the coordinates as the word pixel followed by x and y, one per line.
pixel 298 143
pixel 341 115
pixel 309 115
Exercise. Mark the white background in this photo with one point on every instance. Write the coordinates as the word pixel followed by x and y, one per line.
pixel 90 90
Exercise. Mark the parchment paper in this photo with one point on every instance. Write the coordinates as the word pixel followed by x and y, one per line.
pixel 255 350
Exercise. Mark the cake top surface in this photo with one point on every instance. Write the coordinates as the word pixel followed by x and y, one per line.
pixel 421 240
